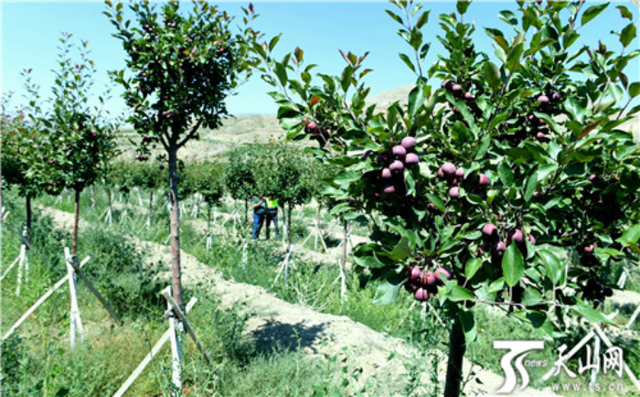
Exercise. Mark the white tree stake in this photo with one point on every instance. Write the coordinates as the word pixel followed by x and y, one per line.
pixel 185 323
pixel 93 197
pixel 140 197
pixel 41 301
pixel 623 278
pixel 23 251
pixel 244 255
pixel 74 314
pixel 208 243
pixel 176 354
pixel 594 371
pixel 196 207
pixel 72 261
pixel 10 267
pixel 154 351
pixel 607 342
pixel 633 317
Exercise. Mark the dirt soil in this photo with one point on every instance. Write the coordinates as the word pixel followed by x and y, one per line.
pixel 276 322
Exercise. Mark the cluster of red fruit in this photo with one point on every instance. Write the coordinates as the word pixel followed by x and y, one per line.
pixel 499 246
pixel 454 176
pixel 316 131
pixel 457 91
pixel 168 23
pixel 423 283
pixel 401 155
pixel 141 158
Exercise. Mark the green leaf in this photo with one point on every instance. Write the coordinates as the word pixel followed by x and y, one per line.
pixel 472 267
pixel 552 266
pixel 592 12
pixel 436 201
pixel 468 325
pixel 492 73
pixel 344 178
pixel 405 58
pixel 625 13
pixel 274 41
pixel 509 17
pixel 544 171
pixel 532 182
pixel 394 16
pixel 459 293
pixel 369 261
pixel 631 235
pixel 462 6
pixel 540 323
pixel 628 34
pixel 290 123
pixel 512 265
pixel 422 19
pixel 401 251
pixel 505 173
pixel 591 314
pixel 531 297
pixel 416 100
pixel 513 58
pixel 634 89
pixel 388 291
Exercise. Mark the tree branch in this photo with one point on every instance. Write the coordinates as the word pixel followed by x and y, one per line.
pixel 191 134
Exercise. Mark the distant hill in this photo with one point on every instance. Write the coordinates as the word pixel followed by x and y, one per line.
pixel 386 98
pixel 262 128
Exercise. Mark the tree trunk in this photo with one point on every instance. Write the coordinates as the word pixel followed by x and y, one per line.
pixel 289 225
pixel 315 243
pixel 457 349
pixel 343 276
pixel 246 211
pixel 76 217
pixel 150 208
pixel 175 224
pixel 28 205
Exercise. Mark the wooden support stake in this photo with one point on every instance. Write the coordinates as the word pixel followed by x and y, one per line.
pixel 72 261
pixel 154 351
pixel 41 301
pixel 176 309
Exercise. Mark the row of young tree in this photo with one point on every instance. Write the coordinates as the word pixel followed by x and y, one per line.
pixel 67 146
pixel 180 67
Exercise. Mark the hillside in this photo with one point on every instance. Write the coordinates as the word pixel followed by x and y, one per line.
pixel 255 127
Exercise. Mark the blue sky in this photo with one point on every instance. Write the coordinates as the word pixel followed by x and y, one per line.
pixel 31 32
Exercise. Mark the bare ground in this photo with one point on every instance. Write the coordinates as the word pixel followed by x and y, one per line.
pixel 276 322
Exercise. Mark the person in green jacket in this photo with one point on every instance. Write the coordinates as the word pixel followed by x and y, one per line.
pixel 272 216
pixel 259 212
